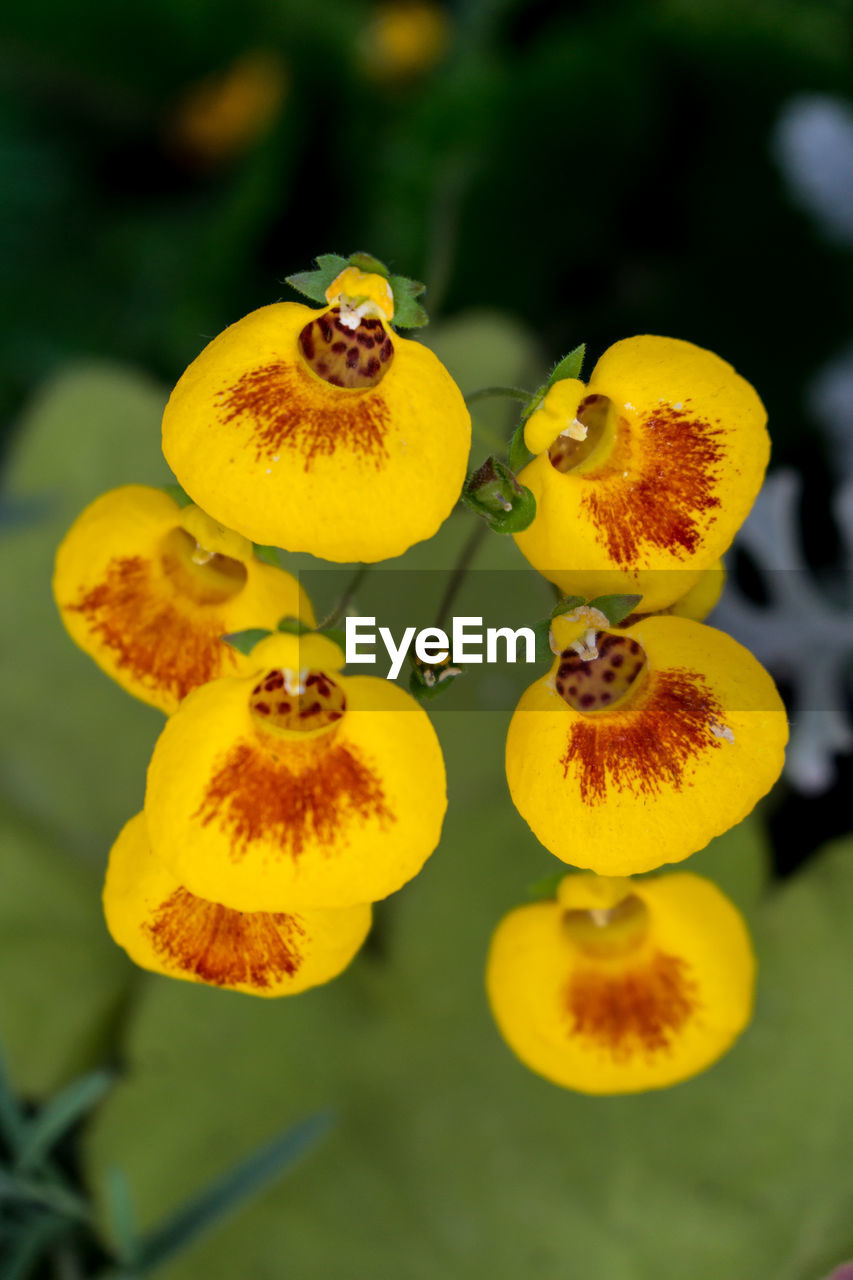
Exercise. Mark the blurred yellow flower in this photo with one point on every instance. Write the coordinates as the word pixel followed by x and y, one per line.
pixel 643 476
pixel 297 786
pixel 147 588
pixel 405 39
pixel 321 431
pixel 165 928
pixel 642 745
pixel 621 986
pixel 223 114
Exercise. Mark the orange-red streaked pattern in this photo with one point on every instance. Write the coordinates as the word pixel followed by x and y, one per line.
pixel 649 745
pixel 664 500
pixel 284 407
pixel 312 796
pixel 151 638
pixel 225 947
pixel 638 1010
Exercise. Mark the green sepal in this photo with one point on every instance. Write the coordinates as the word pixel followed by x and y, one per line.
pixel 408 314
pixel 367 262
pixel 245 641
pixel 567 605
pixel 177 494
pixel 495 494
pixel 544 654
pixel 547 886
pixel 519 454
pixel 269 555
pixel 569 367
pixel 313 284
pixel 293 626
pixel 442 678
pixel 615 608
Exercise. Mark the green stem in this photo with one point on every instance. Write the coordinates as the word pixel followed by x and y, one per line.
pixel 348 593
pixel 506 393
pixel 463 564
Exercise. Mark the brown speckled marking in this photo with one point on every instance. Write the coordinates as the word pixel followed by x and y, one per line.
pixel 648 747
pixel 226 947
pixel 281 406
pixel 666 498
pixel 356 358
pixel 314 791
pixel 322 704
pixel 638 1011
pixel 594 685
pixel 148 636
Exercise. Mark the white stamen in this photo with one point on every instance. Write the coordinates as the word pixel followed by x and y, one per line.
pixel 721 731
pixel 575 430
pixel 600 916
pixel 586 648
pixel 293 683
pixel 201 555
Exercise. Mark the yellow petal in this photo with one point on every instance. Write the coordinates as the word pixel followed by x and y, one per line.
pixel 165 928
pixel 271 449
pixel 149 605
pixel 674 476
pixel 683 756
pixel 610 1009
pixel 261 820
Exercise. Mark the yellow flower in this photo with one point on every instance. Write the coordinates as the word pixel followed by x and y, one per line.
pixel 621 986
pixel 296 787
pixel 407 37
pixel 643 476
pixel 697 602
pixel 225 113
pixel 165 928
pixel 147 588
pixel 642 745
pixel 321 431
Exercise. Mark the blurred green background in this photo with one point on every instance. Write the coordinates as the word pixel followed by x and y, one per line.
pixel 556 173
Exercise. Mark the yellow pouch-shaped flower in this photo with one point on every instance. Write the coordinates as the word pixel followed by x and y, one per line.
pixel 148 588
pixel 643 476
pixel 297 786
pixel 642 745
pixel 165 928
pixel 324 432
pixel 621 986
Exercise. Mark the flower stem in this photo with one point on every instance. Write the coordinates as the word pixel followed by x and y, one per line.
pixel 463 564
pixel 347 595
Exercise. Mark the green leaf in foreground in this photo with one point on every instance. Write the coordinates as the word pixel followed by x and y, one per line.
pixel 226 1194
pixel 60 1114
pixel 615 608
pixel 245 641
pixel 569 367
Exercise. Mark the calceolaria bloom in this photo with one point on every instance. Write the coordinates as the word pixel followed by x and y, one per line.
pixel 148 588
pixel 296 786
pixel 642 744
pixel 643 476
pixel 621 986
pixel 322 431
pixel 165 928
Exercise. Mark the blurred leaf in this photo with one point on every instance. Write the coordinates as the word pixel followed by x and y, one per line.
pixel 451 1157
pixel 120 1220
pixel 30 1243
pixel 61 975
pixel 76 745
pixel 212 1206
pixel 59 1114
